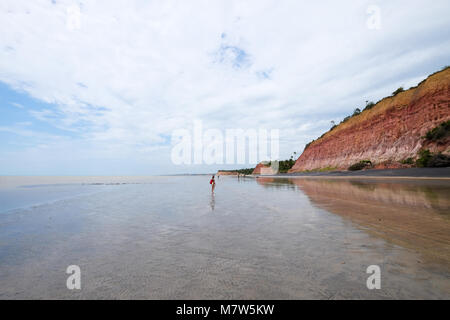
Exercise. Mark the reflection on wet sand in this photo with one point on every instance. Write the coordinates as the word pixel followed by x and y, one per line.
pixel 212 203
pixel 412 214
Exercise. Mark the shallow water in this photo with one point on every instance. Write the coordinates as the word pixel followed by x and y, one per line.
pixel 170 238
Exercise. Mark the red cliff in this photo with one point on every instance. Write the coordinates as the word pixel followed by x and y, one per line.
pixel 390 132
pixel 263 169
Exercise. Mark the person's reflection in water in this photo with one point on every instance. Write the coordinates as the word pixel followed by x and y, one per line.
pixel 212 202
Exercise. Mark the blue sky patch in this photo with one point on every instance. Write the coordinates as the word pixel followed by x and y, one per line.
pixel 236 57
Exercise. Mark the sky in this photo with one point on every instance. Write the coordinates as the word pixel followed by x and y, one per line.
pixel 99 87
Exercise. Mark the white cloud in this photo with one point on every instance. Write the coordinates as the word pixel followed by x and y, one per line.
pixel 133 71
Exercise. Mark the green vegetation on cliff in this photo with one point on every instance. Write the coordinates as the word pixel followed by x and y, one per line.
pixel 363 164
pixel 425 157
pixel 241 171
pixel 284 165
pixel 396 92
pixel 430 160
pixel 439 132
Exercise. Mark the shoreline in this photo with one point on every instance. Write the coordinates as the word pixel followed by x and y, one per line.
pixel 407 173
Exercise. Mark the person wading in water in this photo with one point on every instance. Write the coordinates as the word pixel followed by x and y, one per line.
pixel 212 182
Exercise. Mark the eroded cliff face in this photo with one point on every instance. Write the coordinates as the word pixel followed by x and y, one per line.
pixel 390 132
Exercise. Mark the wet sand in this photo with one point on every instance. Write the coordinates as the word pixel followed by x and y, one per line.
pixel 259 238
pixel 401 212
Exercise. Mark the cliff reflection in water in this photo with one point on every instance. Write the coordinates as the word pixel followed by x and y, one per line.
pixel 411 213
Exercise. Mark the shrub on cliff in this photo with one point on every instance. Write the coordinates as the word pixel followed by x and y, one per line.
pixel 346 119
pixel 285 165
pixel 369 105
pixel 439 161
pixel 424 157
pixel 356 112
pixel 246 171
pixel 407 161
pixel 439 132
pixel 242 171
pixel 363 164
pixel 396 92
